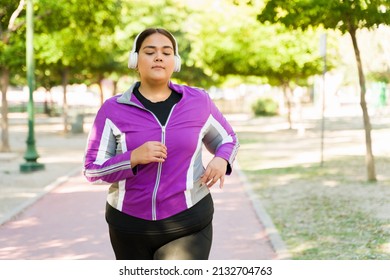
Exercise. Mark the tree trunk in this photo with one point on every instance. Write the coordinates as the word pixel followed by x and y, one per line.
pixel 115 83
pixel 370 162
pixel 101 90
pixel 4 82
pixel 65 109
pixel 287 97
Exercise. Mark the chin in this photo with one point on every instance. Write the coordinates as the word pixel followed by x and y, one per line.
pixel 159 79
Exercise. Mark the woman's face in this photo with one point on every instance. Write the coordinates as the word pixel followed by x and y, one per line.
pixel 156 59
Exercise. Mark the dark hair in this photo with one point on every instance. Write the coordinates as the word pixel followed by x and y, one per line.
pixel 147 32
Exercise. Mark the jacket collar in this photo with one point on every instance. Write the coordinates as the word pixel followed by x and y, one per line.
pixel 125 98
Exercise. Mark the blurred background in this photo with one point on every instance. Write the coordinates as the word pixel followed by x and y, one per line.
pixel 305 84
pixel 247 54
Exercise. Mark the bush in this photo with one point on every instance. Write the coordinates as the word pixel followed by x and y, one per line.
pixel 265 107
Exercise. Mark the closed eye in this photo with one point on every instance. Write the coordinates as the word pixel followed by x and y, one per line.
pixel 166 50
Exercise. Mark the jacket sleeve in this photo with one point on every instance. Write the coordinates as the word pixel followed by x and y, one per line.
pixel 220 139
pixel 106 159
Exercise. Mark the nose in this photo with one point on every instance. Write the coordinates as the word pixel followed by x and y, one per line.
pixel 158 57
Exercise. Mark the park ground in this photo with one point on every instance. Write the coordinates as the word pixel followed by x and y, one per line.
pixel 320 210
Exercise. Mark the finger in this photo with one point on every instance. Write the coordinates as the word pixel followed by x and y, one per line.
pixel 162 155
pixel 164 150
pixel 155 145
pixel 158 156
pixel 212 182
pixel 206 176
pixel 221 181
pixel 162 146
pixel 160 151
pixel 159 159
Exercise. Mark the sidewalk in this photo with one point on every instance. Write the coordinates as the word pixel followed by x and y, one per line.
pixel 56 214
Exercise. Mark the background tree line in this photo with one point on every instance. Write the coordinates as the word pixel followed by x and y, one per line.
pixel 271 41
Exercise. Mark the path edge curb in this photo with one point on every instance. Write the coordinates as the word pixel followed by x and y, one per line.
pixel 19 209
pixel 276 241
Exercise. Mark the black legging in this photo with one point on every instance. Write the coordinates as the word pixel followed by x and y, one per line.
pixel 195 246
pixel 185 236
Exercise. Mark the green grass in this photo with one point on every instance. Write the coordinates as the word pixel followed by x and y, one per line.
pixel 327 212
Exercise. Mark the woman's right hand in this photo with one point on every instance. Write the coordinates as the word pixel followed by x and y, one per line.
pixel 152 151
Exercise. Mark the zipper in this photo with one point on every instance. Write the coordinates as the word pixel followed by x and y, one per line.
pixel 159 168
pixel 157 184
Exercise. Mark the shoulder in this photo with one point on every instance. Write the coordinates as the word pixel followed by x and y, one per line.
pixel 112 101
pixel 109 105
pixel 190 91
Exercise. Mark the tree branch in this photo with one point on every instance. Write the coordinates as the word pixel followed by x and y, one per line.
pixel 15 14
pixel 36 18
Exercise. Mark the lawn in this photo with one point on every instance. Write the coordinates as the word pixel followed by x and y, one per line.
pixel 326 211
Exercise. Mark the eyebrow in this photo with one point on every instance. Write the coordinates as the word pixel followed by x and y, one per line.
pixel 154 47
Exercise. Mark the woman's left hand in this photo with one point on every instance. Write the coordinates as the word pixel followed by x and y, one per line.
pixel 216 170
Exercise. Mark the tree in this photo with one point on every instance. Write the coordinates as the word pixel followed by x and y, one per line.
pixel 295 60
pixel 246 48
pixel 12 56
pixel 71 41
pixel 173 15
pixel 346 16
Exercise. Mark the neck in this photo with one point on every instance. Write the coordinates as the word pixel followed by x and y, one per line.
pixel 155 92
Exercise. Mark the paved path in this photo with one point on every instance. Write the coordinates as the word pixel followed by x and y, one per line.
pixel 68 223
pixel 66 219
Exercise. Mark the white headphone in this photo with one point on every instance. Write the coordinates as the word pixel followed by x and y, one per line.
pixel 133 57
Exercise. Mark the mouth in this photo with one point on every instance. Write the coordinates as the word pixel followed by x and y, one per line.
pixel 158 67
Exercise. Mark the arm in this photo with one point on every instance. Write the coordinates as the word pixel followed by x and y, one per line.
pixel 105 159
pixel 221 141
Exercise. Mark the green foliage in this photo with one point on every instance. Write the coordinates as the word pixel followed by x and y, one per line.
pixel 76 38
pixel 92 38
pixel 12 39
pixel 383 77
pixel 246 48
pixel 174 15
pixel 345 16
pixel 265 107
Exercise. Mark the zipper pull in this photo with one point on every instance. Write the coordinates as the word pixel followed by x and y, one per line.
pixel 163 134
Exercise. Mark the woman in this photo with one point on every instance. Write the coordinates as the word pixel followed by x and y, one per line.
pixel 147 143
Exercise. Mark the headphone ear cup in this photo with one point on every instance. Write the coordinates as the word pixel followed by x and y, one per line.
pixel 133 60
pixel 177 63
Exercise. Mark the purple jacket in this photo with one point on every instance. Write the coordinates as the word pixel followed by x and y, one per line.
pixel 157 190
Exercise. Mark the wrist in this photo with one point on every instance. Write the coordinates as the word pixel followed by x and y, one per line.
pixel 222 160
pixel 133 160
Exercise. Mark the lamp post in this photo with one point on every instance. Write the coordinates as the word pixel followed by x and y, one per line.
pixel 323 55
pixel 31 154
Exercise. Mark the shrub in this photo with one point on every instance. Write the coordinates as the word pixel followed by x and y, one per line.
pixel 265 107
